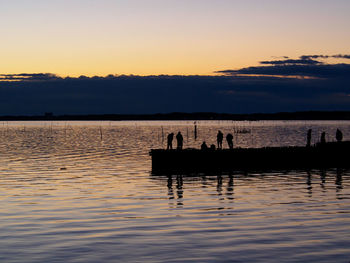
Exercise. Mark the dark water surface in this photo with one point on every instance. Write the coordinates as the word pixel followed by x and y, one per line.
pixel 83 192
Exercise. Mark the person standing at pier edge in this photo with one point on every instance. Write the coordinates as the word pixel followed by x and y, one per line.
pixel 308 143
pixel 219 138
pixel 180 140
pixel 339 135
pixel 170 141
pixel 323 138
pixel 229 139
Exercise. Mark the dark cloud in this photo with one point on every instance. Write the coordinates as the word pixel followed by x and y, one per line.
pixel 316 71
pixel 303 60
pixel 306 61
pixel 305 66
pixel 305 57
pixel 289 85
pixel 161 94
pixel 342 56
pixel 324 56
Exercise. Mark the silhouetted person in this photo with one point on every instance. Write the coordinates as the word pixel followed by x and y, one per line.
pixel 219 138
pixel 204 146
pixel 323 138
pixel 170 141
pixel 195 130
pixel 308 143
pixel 180 140
pixel 212 147
pixel 229 139
pixel 339 135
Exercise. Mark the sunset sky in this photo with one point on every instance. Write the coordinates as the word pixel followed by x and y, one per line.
pixel 159 56
pixel 152 37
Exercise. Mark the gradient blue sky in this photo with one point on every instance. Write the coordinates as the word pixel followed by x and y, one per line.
pixel 143 37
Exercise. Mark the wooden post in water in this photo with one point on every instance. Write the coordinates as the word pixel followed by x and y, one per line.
pixel 162 135
pixel 65 129
pixel 236 139
pixel 187 134
pixel 101 132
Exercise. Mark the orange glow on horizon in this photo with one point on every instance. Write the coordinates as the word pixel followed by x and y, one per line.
pixel 154 38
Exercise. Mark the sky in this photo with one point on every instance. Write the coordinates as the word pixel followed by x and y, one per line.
pixel 160 56
pixel 174 37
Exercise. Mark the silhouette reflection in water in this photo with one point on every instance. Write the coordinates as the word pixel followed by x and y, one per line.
pixel 179 184
pixel 338 174
pixel 339 179
pixel 223 184
pixel 323 178
pixel 179 189
pixel 170 187
pixel 219 185
pixel 229 189
pixel 206 182
pixel 309 183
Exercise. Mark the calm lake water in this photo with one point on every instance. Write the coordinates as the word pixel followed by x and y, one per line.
pixel 83 192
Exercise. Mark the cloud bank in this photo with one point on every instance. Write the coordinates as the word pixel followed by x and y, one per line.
pixel 284 84
pixel 306 66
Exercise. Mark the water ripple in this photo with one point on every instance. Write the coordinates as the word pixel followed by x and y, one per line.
pixel 69 194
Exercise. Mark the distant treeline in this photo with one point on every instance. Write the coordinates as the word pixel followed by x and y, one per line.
pixel 304 115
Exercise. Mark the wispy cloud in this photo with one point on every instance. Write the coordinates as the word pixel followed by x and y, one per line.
pixel 306 61
pixel 344 56
pixel 27 76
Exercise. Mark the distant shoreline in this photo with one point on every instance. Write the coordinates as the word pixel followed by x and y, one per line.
pixel 303 115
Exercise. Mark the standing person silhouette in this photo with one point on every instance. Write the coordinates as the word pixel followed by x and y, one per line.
pixel 308 143
pixel 170 141
pixel 323 138
pixel 339 135
pixel 219 138
pixel 229 139
pixel 180 140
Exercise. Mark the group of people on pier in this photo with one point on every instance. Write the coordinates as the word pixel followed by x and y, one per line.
pixel 229 139
pixel 338 137
pixel 180 139
pixel 220 137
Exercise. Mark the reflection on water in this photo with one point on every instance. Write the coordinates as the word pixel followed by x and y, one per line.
pixel 227 181
pixel 203 180
pixel 82 192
